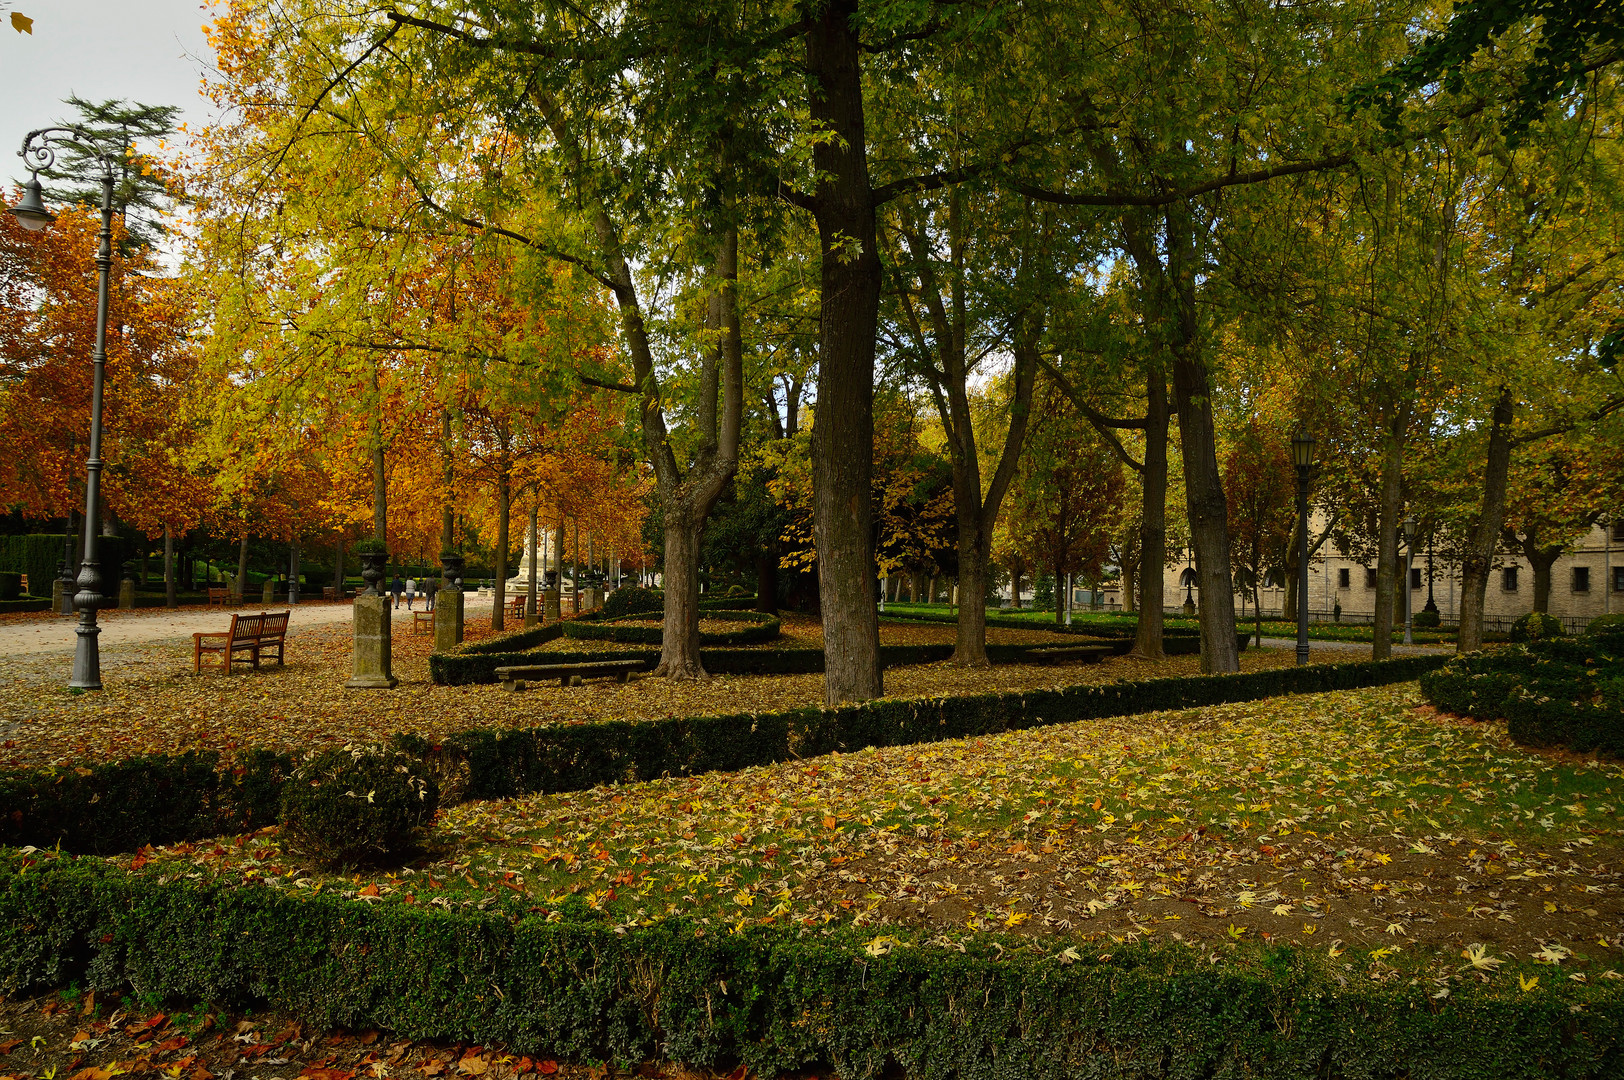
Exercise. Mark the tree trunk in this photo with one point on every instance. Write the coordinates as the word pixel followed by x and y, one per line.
pixel 534 551
pixel 447 518
pixel 504 524
pixel 1479 554
pixel 1014 588
pixel 679 645
pixel 575 571
pixel 338 569
pixel 1391 507
pixel 293 566
pixel 767 583
pixel 1209 517
pixel 242 566
pixel 1288 606
pixel 843 428
pixel 970 648
pixel 1542 558
pixel 1147 639
pixel 169 567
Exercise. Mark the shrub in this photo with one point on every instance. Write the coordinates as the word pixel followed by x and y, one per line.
pixel 632 600
pixel 358 805
pixel 778 1000
pixel 761 627
pixel 11 584
pixel 737 591
pixel 1425 620
pixel 1535 626
pixel 1608 632
pixel 114 806
pixel 1557 692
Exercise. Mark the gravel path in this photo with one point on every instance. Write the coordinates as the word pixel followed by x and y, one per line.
pixel 43 633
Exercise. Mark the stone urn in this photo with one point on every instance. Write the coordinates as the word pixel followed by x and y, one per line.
pixel 374 564
pixel 452 564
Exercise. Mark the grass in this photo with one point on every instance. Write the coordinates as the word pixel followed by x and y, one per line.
pixel 1271 628
pixel 1353 822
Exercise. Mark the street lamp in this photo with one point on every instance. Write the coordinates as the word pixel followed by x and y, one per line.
pixel 31 214
pixel 1410 526
pixel 1302 456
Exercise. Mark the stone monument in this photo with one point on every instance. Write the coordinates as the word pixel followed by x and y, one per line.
pixel 374 664
pixel 448 605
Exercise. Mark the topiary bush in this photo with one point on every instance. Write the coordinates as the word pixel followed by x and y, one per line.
pixel 1535 626
pixel 1608 630
pixel 1556 692
pixel 632 600
pixel 359 805
pixel 1425 620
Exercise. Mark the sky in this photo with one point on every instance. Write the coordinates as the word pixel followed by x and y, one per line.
pixel 149 51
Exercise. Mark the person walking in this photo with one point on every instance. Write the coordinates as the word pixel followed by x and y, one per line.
pixel 411 592
pixel 397 587
pixel 431 587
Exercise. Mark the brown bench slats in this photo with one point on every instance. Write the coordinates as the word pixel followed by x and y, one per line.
pixel 249 633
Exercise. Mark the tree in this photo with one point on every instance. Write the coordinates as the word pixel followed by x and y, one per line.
pixel 1258 490
pixel 142 185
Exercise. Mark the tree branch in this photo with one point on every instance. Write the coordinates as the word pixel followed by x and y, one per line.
pixel 1256 176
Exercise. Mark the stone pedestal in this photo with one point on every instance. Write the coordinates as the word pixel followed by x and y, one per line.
pixel 61 603
pixel 591 599
pixel 550 598
pixel 267 595
pixel 447 620
pixel 373 660
pixel 126 595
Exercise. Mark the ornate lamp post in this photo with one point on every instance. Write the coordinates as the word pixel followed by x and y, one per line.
pixel 31 213
pixel 1302 456
pixel 1410 525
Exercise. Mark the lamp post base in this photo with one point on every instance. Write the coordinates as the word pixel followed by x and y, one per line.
pixel 86 659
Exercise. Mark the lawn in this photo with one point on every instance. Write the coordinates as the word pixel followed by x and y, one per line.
pixel 1082 618
pixel 1357 825
pixel 155 704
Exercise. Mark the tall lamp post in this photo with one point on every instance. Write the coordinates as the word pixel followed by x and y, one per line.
pixel 1410 525
pixel 1302 456
pixel 31 214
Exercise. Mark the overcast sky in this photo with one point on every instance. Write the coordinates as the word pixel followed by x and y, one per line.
pixel 150 51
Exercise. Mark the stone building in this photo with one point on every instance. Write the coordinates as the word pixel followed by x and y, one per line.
pixel 1586 581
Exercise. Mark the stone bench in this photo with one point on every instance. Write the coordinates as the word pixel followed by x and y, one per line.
pixel 514 677
pixel 1069 654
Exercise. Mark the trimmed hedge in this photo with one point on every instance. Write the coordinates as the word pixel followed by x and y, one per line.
pixel 513 761
pixel 514 641
pixel 762 628
pixel 779 999
pixel 120 806
pixel 458 670
pixel 1101 629
pixel 19 606
pixel 124 805
pixel 1556 692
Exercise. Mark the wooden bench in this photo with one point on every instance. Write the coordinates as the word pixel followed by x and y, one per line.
pixel 422 622
pixel 516 606
pixel 1064 654
pixel 329 593
pixel 248 633
pixel 217 596
pixel 514 678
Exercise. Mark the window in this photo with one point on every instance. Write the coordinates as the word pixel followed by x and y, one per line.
pixel 1508 579
pixel 1618 531
pixel 1415 577
pixel 1581 579
pixel 1342 578
pixel 1618 579
pixel 1370 578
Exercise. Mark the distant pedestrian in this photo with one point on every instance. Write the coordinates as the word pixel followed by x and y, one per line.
pixel 397 587
pixel 430 587
pixel 411 591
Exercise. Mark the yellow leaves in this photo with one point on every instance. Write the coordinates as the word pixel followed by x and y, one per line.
pixel 1236 932
pixel 1527 983
pixel 1478 958
pixel 881 945
pixel 22 23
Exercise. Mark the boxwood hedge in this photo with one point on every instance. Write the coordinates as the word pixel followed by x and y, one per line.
pixel 772 999
pixel 119 806
pixel 1553 692
pixel 634 629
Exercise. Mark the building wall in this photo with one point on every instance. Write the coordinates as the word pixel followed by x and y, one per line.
pixel 1601 553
